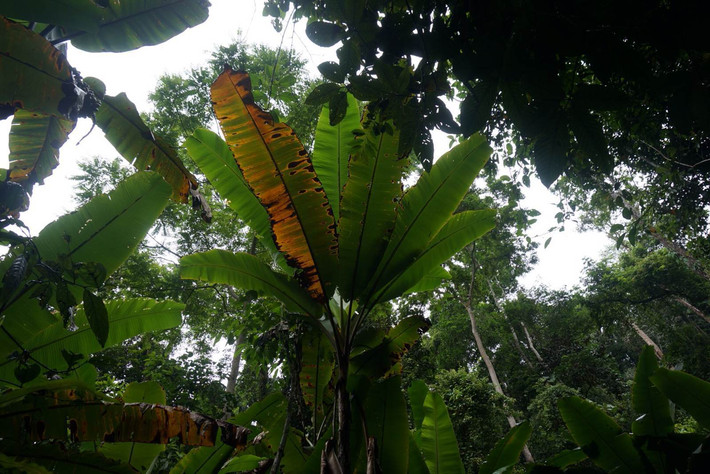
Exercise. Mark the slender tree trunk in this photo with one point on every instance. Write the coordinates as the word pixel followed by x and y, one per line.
pixel 236 362
pixel 530 342
pixel 492 373
pixel 516 341
pixel 691 307
pixel 647 340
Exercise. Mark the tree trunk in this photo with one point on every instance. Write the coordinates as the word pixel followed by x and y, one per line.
pixel 492 373
pixel 647 340
pixel 691 307
pixel 234 371
pixel 516 341
pixel 530 343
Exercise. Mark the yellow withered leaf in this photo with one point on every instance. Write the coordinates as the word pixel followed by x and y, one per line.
pixel 279 171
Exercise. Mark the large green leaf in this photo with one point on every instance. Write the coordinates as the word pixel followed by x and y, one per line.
pixel 417 394
pixel 368 207
pixel 247 272
pixel 129 24
pixel 417 465
pixel 279 171
pixel 438 440
pixel 108 228
pixel 506 453
pixel 651 406
pixel 34 75
pixel 386 420
pixel 460 230
pixel 126 131
pixel 687 391
pixel 331 151
pixel 245 462
pixel 138 455
pixel 204 460
pixel 430 281
pixel 599 436
pixel 317 364
pixel 35 140
pixel 45 342
pixel 386 353
pixel 428 205
pixel 215 160
pixel 72 14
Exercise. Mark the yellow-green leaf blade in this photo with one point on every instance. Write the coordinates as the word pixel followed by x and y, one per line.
pixel 427 206
pixel 34 142
pixel 331 150
pixel 247 272
pixel 126 131
pixel 279 171
pixel 460 230
pixel 213 157
pixel 368 207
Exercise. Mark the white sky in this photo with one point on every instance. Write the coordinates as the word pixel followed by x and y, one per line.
pixel 137 72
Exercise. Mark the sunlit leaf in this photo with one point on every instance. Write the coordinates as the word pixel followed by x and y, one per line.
pixel 35 76
pixel 125 129
pixel 215 160
pixel 279 171
pixel 35 140
pixel 438 440
pixel 460 230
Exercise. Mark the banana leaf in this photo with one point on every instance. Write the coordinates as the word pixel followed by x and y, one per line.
pixel 428 205
pixel 249 273
pixel 331 151
pixel 317 365
pixel 599 436
pixel 204 460
pixel 45 342
pixel 58 459
pixel 78 414
pixel 71 14
pixel 129 24
pixel 651 406
pixel 212 155
pixel 279 171
pixel 386 420
pixel 384 356
pixel 34 142
pixel 687 391
pixel 138 455
pixel 126 131
pixel 368 207
pixel 460 230
pixel 438 440
pixel 506 453
pixel 35 76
